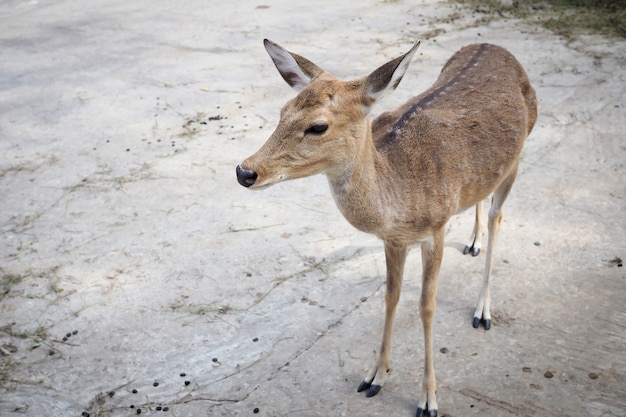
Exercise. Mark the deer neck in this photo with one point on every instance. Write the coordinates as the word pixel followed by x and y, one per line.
pixel 361 186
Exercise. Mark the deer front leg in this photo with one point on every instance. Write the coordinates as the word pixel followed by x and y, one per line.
pixel 395 257
pixel 432 252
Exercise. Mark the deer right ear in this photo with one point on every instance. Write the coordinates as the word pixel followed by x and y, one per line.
pixel 386 78
pixel 297 71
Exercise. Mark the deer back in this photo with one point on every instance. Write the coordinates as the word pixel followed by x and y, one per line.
pixel 460 138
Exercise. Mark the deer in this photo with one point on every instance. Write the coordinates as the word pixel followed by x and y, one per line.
pixel 403 175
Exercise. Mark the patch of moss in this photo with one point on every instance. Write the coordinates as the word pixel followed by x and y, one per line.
pixel 567 18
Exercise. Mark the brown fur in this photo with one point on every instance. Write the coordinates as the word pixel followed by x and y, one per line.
pixel 403 176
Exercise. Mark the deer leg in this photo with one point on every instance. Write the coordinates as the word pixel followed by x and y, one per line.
pixel 432 252
pixel 483 306
pixel 395 257
pixel 475 240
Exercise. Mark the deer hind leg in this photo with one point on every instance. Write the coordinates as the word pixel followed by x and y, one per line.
pixel 432 252
pixel 483 306
pixel 475 241
pixel 395 257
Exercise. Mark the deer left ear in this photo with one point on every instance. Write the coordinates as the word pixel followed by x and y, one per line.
pixel 297 71
pixel 386 78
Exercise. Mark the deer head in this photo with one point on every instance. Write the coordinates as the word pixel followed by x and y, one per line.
pixel 320 129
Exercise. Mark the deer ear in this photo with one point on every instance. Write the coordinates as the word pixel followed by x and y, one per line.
pixel 297 71
pixel 386 78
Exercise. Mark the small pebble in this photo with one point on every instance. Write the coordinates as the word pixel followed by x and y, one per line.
pixel 255 411
pixel 593 375
pixel 537 243
pixel 548 374
pixel 443 350
pixel 526 370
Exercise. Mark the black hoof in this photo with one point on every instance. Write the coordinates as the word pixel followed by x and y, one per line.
pixel 374 389
pixel 426 413
pixel 363 386
pixel 476 323
pixel 467 249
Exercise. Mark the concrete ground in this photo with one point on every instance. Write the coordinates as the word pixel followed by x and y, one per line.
pixel 129 255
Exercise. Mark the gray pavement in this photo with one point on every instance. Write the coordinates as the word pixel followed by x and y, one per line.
pixel 122 223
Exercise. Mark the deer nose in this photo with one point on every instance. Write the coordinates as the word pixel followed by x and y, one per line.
pixel 246 177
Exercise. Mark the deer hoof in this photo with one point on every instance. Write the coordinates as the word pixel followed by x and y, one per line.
pixel 374 389
pixel 363 386
pixel 473 249
pixel 426 413
pixel 477 320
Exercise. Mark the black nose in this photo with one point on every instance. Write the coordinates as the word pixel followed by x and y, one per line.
pixel 246 177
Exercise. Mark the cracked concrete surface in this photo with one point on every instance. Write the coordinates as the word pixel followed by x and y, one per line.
pixel 129 254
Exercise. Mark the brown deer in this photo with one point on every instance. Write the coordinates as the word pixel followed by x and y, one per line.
pixel 402 176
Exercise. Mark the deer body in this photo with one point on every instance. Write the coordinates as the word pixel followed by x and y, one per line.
pixel 402 176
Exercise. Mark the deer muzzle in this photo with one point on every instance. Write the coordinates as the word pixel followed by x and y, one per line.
pixel 246 177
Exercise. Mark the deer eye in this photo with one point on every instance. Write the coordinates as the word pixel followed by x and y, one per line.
pixel 317 129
